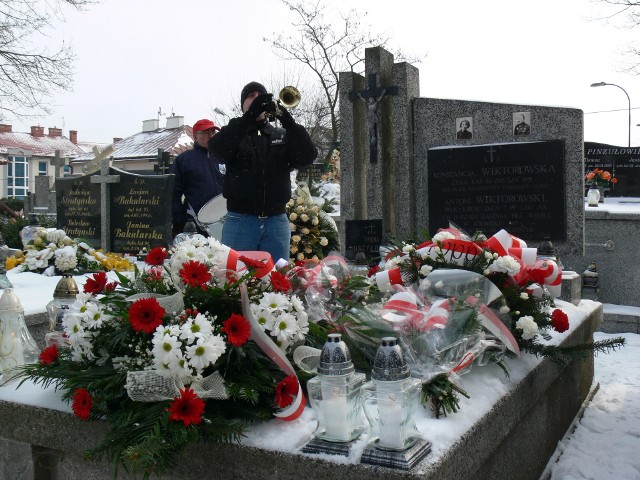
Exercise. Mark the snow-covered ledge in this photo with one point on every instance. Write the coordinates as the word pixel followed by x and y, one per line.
pixel 507 429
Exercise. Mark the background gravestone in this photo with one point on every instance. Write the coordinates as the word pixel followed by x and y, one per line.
pixel 515 186
pixel 78 208
pixel 363 236
pixel 623 162
pixel 140 211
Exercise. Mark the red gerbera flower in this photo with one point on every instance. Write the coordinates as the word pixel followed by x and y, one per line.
pixel 96 284
pixel 286 390
pixel 82 403
pixel 49 355
pixel 279 282
pixel 146 315
pixel 194 273
pixel 156 256
pixel 237 328
pixel 560 321
pixel 187 408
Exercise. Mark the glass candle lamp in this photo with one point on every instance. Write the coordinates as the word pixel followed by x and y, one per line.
pixel 392 399
pixel 17 346
pixel 334 393
pixel 63 296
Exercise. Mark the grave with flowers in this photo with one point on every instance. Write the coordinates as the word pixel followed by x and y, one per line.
pixel 189 361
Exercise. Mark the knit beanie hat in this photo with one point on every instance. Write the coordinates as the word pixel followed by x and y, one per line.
pixel 249 88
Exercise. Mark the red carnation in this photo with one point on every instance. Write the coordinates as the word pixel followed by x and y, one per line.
pixel 82 403
pixel 286 391
pixel 373 270
pixel 279 282
pixel 251 263
pixel 96 284
pixel 156 256
pixel 237 329
pixel 49 355
pixel 560 321
pixel 187 408
pixel 194 273
pixel 111 286
pixel 146 315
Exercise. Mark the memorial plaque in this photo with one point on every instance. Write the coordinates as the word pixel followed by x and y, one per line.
pixel 516 186
pixel 78 208
pixel 313 172
pixel 140 211
pixel 622 162
pixel 363 236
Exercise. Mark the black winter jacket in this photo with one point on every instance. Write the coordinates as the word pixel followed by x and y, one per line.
pixel 198 178
pixel 259 159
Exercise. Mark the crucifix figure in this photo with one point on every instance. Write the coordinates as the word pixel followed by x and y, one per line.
pixel 95 164
pixel 58 163
pixel 104 179
pixel 372 96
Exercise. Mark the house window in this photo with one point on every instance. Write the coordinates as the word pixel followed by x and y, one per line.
pixel 18 177
pixel 42 168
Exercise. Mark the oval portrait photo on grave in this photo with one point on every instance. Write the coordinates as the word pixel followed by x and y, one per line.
pixel 521 123
pixel 464 128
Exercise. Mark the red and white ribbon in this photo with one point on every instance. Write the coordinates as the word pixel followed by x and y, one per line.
pixel 453 250
pixel 278 357
pixel 549 274
pixel 385 279
pixel 402 310
pixel 492 323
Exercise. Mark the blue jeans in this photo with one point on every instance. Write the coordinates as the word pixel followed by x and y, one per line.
pixel 250 232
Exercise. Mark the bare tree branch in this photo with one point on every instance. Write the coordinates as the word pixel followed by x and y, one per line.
pixel 30 75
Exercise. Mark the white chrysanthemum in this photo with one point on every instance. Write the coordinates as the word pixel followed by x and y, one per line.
pixel 274 301
pixel 315 209
pixel 524 296
pixel 304 217
pixel 66 258
pixel 285 327
pixel 308 250
pixel 303 326
pixel 315 221
pixel 290 203
pixel 94 316
pixel 263 316
pixel 297 304
pixel 488 255
pixel 507 264
pixel 305 231
pixel 300 200
pixel 195 328
pixel 528 326
pixel 205 352
pixel 300 209
pixel 293 216
pixel 296 238
pixel 173 330
pixel 177 367
pixel 166 348
pixel 56 236
pixel 323 241
pixel 442 236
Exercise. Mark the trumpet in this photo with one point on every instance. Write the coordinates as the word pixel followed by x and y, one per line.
pixel 289 97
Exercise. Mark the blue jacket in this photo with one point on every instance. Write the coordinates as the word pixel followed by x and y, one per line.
pixel 198 178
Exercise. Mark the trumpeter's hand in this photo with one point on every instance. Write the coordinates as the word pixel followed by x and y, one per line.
pixel 262 103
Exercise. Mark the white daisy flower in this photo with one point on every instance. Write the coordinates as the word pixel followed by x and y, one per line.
pixel 205 352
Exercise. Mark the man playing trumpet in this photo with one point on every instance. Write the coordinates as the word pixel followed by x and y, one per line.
pixel 259 158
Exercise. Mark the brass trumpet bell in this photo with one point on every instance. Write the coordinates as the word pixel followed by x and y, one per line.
pixel 289 97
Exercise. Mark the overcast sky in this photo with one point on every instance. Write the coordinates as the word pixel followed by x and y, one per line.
pixel 188 57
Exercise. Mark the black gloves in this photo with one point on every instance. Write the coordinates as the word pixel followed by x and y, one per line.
pixel 262 103
pixel 285 118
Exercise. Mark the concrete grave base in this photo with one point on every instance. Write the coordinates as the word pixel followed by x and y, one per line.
pixel 513 440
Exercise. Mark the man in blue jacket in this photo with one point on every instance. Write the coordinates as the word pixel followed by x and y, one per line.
pixel 259 159
pixel 197 177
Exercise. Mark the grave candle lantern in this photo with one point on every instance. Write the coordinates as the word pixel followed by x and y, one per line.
pixel 17 346
pixel 334 393
pixel 392 399
pixel 63 296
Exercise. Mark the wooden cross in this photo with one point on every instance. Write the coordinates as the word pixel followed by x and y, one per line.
pixel 95 164
pixel 58 162
pixel 372 96
pixel 104 179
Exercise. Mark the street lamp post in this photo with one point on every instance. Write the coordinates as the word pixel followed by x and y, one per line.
pixel 602 84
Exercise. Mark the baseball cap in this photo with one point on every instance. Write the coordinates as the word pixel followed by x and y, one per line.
pixel 204 124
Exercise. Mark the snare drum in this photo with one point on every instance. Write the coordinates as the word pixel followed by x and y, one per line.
pixel 211 216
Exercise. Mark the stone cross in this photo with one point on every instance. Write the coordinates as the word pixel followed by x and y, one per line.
pixel 104 179
pixel 371 97
pixel 58 163
pixel 163 162
pixel 96 164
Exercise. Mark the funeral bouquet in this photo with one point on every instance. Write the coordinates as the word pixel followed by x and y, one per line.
pixel 599 178
pixel 313 231
pixel 452 302
pixel 51 252
pixel 186 348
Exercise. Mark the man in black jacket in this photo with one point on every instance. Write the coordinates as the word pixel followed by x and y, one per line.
pixel 257 185
pixel 197 176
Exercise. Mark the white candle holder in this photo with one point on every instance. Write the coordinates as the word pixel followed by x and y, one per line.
pixel 17 346
pixel 335 397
